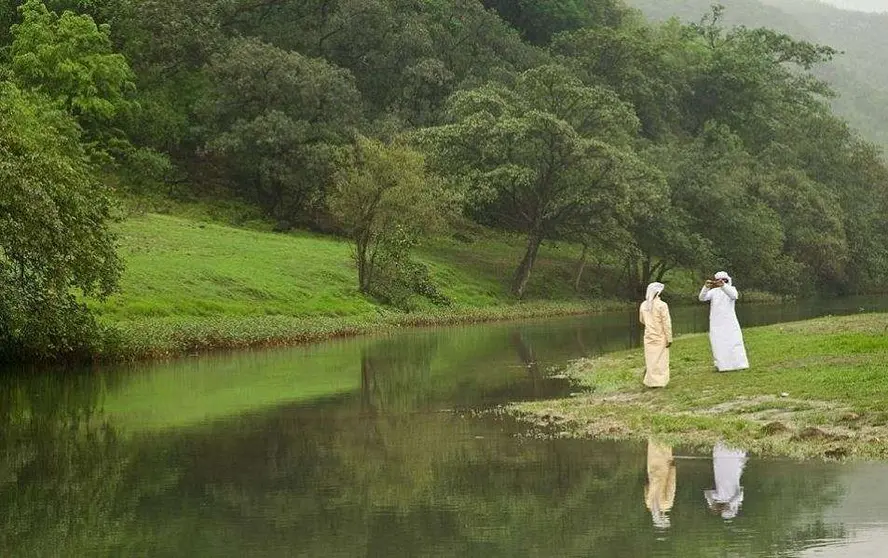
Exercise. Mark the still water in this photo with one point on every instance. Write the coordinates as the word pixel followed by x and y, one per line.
pixel 371 447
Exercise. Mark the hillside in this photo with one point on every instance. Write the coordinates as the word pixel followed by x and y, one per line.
pixel 195 283
pixel 181 267
pixel 859 75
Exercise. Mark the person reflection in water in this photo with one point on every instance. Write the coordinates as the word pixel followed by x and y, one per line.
pixel 659 493
pixel 727 467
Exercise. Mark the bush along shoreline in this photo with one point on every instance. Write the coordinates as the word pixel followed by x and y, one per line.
pixel 178 336
pixel 814 390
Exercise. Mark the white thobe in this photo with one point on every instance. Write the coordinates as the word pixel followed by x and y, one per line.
pixel 725 336
pixel 727 467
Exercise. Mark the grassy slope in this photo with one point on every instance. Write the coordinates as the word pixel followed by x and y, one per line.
pixel 183 267
pixel 832 370
pixel 191 284
pixel 194 283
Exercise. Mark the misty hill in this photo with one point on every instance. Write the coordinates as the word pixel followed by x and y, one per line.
pixel 859 75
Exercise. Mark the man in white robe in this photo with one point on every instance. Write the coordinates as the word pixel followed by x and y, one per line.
pixel 725 336
pixel 727 467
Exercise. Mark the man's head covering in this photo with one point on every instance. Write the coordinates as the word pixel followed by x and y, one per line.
pixel 723 275
pixel 653 290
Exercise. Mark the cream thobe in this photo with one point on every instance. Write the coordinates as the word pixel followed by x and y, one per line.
pixel 657 335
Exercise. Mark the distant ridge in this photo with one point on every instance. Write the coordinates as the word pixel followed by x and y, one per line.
pixel 859 75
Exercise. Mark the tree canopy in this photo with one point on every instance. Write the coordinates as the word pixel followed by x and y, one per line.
pixel 666 145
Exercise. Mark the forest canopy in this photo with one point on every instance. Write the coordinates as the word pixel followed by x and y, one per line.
pixel 667 145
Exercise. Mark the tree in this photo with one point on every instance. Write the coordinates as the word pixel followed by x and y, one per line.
pixel 407 57
pixel 718 184
pixel 278 119
pixel 647 67
pixel 745 80
pixel 540 20
pixel 54 237
pixel 70 59
pixel 385 201
pixel 547 158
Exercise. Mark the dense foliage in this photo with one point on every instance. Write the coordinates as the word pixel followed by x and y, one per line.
pixel 662 145
pixel 859 73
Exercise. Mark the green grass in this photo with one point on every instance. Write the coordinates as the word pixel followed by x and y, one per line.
pixel 178 267
pixel 815 388
pixel 193 284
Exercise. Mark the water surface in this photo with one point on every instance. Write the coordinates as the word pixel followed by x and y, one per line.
pixel 371 447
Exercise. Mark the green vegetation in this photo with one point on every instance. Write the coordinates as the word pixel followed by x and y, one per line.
pixel 858 74
pixel 647 150
pixel 53 231
pixel 193 285
pixel 815 388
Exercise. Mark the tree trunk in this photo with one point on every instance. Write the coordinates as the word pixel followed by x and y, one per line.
pixel 522 274
pixel 581 266
pixel 645 273
pixel 633 277
pixel 368 378
pixel 661 273
pixel 362 260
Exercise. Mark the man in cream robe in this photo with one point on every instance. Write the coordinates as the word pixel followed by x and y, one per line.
pixel 654 315
pixel 727 467
pixel 659 492
pixel 725 336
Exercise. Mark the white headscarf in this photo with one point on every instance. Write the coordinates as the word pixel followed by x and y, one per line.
pixel 723 275
pixel 652 291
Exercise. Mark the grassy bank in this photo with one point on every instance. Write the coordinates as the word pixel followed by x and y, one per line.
pixel 201 277
pixel 815 389
pixel 192 284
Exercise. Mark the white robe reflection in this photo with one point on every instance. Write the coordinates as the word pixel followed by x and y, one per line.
pixel 659 493
pixel 727 466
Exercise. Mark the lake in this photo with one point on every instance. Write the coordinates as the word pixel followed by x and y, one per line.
pixel 376 447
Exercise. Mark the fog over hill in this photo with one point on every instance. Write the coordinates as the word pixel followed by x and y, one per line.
pixel 859 75
pixel 860 5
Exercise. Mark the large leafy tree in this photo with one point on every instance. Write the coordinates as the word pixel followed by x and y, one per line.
pixel 54 236
pixel 647 66
pixel 70 59
pixel 546 157
pixel 407 57
pixel 750 80
pixel 277 120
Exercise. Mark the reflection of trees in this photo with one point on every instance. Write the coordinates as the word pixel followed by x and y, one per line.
pixel 396 376
pixel 467 367
pixel 67 483
pixel 329 481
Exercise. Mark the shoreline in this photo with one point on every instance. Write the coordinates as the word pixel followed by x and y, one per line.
pixel 165 338
pixel 168 338
pixel 813 391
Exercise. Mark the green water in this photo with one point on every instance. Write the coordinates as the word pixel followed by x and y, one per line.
pixel 373 447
